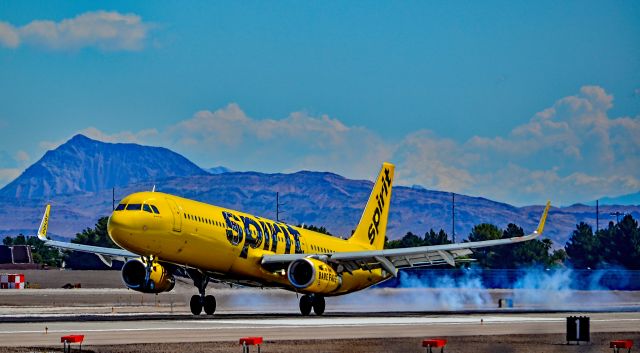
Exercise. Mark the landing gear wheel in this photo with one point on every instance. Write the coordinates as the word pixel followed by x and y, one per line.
pixel 209 304
pixel 196 305
pixel 318 304
pixel 305 305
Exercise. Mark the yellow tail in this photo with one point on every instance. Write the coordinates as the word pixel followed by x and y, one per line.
pixel 372 228
pixel 44 225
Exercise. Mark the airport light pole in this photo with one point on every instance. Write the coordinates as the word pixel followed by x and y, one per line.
pixel 597 215
pixel 617 214
pixel 278 204
pixel 453 216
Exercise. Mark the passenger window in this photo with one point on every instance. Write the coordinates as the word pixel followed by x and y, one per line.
pixel 134 207
pixel 120 207
pixel 146 208
pixel 155 209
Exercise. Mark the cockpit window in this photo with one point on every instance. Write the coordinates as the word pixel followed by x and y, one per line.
pixel 134 207
pixel 146 208
pixel 120 207
pixel 155 209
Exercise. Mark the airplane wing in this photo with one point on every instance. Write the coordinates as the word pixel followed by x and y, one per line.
pixel 106 255
pixel 391 260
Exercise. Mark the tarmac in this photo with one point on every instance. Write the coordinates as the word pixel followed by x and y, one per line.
pixel 231 327
pixel 113 317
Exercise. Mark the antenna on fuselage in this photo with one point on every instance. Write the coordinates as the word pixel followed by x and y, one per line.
pixel 154 188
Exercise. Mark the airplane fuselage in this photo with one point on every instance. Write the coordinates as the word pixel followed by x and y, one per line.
pixel 225 243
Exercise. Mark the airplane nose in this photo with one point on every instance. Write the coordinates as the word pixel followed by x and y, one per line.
pixel 115 221
pixel 116 227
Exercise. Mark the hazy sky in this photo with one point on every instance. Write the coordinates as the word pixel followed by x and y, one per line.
pixel 514 101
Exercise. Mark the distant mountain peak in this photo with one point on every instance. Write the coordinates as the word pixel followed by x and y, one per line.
pixel 85 165
pixel 81 137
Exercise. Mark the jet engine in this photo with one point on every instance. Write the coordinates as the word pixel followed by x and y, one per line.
pixel 313 276
pixel 134 275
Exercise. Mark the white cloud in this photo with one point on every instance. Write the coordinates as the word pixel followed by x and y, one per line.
pixel 299 141
pixel 23 158
pixel 10 162
pixel 9 36
pixel 7 175
pixel 6 160
pixel 425 159
pixel 123 136
pixel 101 29
pixel 571 151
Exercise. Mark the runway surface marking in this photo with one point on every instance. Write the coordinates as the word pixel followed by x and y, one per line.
pixel 309 323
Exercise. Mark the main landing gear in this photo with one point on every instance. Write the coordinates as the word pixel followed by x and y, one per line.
pixel 202 301
pixel 312 301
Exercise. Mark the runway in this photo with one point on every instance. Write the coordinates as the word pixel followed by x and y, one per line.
pixel 230 328
pixel 119 316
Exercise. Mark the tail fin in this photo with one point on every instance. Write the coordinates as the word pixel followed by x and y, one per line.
pixel 42 231
pixel 372 228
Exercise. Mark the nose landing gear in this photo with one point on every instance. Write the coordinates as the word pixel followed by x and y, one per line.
pixel 312 301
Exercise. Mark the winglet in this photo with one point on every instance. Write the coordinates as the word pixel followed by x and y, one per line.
pixel 42 231
pixel 543 219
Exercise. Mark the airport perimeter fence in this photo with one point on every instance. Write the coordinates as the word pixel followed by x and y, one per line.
pixel 530 278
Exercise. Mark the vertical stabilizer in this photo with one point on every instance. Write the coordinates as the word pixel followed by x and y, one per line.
pixel 372 228
pixel 44 225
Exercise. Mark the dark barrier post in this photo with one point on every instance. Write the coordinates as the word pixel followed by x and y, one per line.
pixel 578 329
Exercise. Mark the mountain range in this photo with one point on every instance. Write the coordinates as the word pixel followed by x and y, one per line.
pixel 628 199
pixel 77 179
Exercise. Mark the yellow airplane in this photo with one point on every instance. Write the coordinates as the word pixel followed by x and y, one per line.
pixel 162 236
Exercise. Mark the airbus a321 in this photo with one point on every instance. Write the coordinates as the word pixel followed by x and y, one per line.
pixel 162 236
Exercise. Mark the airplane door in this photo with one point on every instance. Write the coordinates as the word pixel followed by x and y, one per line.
pixel 177 216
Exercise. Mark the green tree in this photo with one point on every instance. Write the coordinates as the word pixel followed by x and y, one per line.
pixel 485 257
pixel 311 227
pixel 558 257
pixel 584 248
pixel 98 236
pixel 621 243
pixel 409 240
pixel 391 244
pixel 534 252
pixel 433 238
pixel 510 255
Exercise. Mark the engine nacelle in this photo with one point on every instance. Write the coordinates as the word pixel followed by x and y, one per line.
pixel 314 276
pixel 134 273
